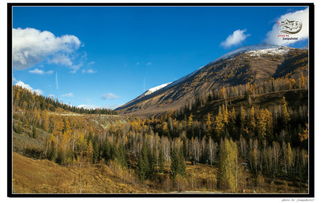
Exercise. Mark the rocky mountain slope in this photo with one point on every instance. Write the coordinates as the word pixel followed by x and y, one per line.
pixel 245 65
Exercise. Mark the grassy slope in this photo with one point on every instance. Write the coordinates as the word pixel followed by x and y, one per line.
pixel 43 176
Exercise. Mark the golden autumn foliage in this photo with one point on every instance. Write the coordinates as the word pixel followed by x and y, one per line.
pixel 227 141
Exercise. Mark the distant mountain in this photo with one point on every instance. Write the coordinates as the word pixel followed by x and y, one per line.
pixel 250 64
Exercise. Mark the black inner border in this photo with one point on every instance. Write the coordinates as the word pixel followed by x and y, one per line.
pixel 311 98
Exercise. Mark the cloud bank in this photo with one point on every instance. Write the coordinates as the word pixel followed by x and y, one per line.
pixel 302 16
pixel 31 46
pixel 40 72
pixel 235 38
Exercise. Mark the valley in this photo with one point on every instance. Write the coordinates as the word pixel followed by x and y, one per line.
pixel 236 125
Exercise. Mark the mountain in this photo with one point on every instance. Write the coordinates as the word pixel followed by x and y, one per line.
pixel 247 65
pixel 154 89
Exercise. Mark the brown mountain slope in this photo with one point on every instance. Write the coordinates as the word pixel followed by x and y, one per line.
pixel 247 66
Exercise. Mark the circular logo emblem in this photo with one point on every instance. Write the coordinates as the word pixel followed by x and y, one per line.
pixel 290 26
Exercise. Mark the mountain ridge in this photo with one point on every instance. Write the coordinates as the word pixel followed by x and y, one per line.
pixel 244 65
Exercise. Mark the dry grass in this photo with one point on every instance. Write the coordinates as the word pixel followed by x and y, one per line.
pixel 43 176
pixel 202 177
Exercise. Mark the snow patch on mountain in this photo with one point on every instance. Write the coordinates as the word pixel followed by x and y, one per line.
pixel 272 51
pixel 257 50
pixel 154 89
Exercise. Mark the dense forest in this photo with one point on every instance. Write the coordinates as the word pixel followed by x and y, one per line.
pixel 25 100
pixel 247 142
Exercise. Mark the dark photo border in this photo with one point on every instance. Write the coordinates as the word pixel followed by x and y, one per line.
pixel 10 192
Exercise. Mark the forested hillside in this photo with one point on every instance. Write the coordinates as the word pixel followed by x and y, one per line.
pixel 231 141
pixel 249 70
pixel 28 100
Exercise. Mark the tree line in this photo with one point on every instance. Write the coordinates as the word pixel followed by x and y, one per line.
pixel 270 142
pixel 25 99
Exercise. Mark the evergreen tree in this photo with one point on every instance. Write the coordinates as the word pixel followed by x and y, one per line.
pixel 143 165
pixel 182 165
pixel 34 132
pixel 51 148
pixel 152 160
pixel 120 155
pixel 161 161
pixel 177 162
pixel 106 151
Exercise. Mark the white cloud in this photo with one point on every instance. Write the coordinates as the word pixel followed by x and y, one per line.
pixel 40 72
pixel 235 38
pixel 300 16
pixel 109 96
pixel 64 60
pixel 75 68
pixel 90 71
pixel 61 59
pixel 31 46
pixel 70 94
pixel 28 87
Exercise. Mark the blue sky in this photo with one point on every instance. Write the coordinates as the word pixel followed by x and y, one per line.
pixel 123 51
